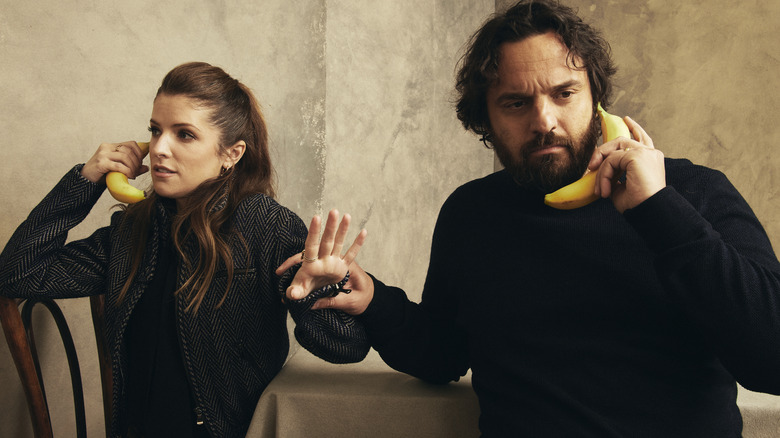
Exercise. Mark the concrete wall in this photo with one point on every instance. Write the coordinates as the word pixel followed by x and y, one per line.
pixel 356 95
pixel 702 78
pixel 358 100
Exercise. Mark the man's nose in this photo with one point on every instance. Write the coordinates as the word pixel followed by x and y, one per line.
pixel 545 118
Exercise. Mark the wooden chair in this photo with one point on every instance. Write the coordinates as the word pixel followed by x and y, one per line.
pixel 16 319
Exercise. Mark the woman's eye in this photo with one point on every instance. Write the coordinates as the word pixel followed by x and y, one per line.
pixel 154 131
pixel 185 135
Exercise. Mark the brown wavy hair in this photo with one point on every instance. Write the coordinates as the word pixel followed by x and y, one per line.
pixel 205 218
pixel 478 68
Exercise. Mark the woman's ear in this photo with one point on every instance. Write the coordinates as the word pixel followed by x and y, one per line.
pixel 233 154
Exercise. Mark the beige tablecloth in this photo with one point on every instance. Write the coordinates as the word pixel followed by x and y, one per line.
pixel 314 399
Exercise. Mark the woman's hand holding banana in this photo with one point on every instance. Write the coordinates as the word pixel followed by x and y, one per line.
pixel 116 162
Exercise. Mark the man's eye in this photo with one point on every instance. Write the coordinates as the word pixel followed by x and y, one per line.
pixel 567 94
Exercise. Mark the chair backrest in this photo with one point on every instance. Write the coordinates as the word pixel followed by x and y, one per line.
pixel 16 319
pixel 97 304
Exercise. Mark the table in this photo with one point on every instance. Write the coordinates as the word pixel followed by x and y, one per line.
pixel 314 399
pixel 311 398
pixel 760 414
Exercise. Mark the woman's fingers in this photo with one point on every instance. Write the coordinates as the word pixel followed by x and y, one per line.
pixel 341 234
pixel 312 245
pixel 328 237
pixel 289 263
pixel 128 156
pixel 123 157
pixel 321 257
pixel 354 249
pixel 332 241
pixel 330 244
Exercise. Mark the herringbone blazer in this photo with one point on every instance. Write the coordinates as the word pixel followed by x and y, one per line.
pixel 231 352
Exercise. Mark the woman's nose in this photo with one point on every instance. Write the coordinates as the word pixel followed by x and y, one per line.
pixel 160 146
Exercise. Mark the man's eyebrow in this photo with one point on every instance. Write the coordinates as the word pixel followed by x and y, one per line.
pixel 574 83
pixel 510 96
pixel 514 95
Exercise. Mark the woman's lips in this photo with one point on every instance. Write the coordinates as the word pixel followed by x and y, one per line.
pixel 163 171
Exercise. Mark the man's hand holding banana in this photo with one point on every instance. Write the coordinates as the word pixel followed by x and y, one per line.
pixel 637 159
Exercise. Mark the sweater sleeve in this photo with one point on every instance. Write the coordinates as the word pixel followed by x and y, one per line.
pixel 716 262
pixel 329 334
pixel 424 340
pixel 36 262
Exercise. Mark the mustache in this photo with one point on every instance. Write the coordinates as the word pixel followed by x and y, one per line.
pixel 544 140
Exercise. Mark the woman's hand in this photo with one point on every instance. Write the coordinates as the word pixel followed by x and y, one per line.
pixel 640 162
pixel 321 262
pixel 355 302
pixel 125 157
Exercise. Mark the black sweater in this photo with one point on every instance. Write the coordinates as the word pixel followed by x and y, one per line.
pixel 591 323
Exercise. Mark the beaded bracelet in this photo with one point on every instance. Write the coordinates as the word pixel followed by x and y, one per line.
pixel 332 290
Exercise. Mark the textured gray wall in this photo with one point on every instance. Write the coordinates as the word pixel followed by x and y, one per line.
pixel 358 100
pixel 702 78
pixel 356 95
pixel 395 147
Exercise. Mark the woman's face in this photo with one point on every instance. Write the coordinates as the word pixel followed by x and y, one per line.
pixel 184 148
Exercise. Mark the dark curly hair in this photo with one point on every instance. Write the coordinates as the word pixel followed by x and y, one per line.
pixel 479 65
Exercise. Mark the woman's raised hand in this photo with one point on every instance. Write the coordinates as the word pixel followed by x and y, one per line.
pixel 125 157
pixel 321 260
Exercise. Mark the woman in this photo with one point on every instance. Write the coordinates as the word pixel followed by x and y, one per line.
pixel 196 327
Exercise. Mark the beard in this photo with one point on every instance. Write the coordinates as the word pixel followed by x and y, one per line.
pixel 550 172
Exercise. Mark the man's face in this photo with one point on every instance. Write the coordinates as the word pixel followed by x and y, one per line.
pixel 541 113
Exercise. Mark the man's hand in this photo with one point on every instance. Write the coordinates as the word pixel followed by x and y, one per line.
pixel 322 264
pixel 640 162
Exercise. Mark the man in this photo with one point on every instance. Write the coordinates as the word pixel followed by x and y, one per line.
pixel 632 316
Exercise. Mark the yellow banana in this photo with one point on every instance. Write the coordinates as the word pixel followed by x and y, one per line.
pixel 612 126
pixel 575 195
pixel 120 188
pixel 580 193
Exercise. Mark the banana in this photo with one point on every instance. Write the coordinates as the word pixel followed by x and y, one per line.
pixel 612 126
pixel 580 193
pixel 120 188
pixel 575 195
